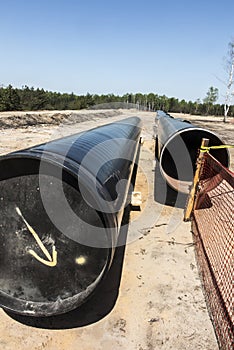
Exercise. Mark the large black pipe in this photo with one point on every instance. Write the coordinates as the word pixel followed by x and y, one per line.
pixel 177 145
pixel 61 206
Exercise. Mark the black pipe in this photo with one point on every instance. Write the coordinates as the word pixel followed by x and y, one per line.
pixel 61 206
pixel 177 145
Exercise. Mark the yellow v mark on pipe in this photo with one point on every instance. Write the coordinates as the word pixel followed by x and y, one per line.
pixel 52 260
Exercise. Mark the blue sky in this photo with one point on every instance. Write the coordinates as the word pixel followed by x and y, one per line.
pixel 167 47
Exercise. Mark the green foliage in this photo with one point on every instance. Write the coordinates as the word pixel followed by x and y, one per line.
pixel 9 99
pixel 211 97
pixel 31 99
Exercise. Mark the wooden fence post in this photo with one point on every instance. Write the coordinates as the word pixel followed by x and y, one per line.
pixel 192 195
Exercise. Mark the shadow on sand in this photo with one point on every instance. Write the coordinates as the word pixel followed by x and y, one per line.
pixel 166 195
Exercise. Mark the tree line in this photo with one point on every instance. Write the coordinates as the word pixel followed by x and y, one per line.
pixel 31 99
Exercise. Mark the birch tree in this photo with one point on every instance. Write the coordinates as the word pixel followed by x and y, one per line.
pixel 229 82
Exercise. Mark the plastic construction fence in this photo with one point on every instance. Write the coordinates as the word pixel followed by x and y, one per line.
pixel 213 228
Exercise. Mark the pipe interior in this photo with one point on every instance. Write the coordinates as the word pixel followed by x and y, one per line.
pixel 179 155
pixel 79 267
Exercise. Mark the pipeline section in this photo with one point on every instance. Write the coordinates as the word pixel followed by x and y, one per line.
pixel 61 206
pixel 176 147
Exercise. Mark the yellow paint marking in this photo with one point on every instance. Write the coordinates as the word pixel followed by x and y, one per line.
pixel 81 260
pixel 43 261
pixel 52 260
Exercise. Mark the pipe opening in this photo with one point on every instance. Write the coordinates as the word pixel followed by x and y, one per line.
pixel 179 155
pixel 27 284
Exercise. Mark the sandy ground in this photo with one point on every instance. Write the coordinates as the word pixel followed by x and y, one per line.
pixel 152 297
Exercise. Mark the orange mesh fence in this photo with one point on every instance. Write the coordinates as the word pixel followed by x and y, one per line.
pixel 213 228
